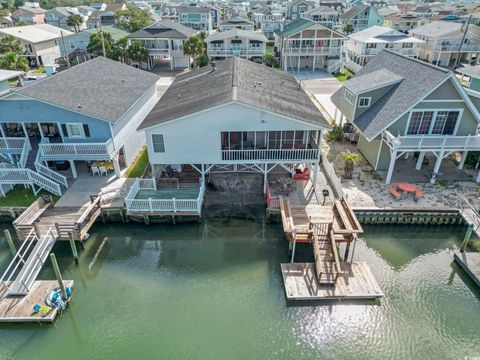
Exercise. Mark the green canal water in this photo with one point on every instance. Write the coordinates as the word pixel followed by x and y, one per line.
pixel 214 291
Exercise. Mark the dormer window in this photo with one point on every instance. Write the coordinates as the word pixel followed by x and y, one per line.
pixel 349 96
pixel 364 102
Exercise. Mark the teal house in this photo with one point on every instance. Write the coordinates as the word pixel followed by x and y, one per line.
pixel 362 17
pixel 402 106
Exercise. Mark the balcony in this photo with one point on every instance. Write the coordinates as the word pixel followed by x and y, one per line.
pixel 447 143
pixel 158 51
pixel 403 51
pixel 311 50
pixel 270 154
pixel 77 151
pixel 236 52
pixel 12 145
pixel 455 47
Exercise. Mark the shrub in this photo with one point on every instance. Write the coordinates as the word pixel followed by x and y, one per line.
pixel 336 134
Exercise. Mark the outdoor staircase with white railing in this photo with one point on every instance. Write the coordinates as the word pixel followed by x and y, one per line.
pixel 24 268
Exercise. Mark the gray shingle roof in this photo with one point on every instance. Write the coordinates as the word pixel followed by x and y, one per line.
pixel 237 80
pixel 419 79
pixel 370 81
pixel 164 29
pixel 100 88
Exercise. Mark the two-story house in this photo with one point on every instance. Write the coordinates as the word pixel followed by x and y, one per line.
pixel 444 40
pixel 58 16
pixel 401 105
pixel 41 42
pixel 164 41
pixel 403 23
pixel 365 44
pixel 196 18
pixel 361 17
pixel 304 44
pixel 88 113
pixel 296 9
pixel 105 16
pixel 250 118
pixel 237 22
pixel 236 42
pixel 30 15
pixel 270 21
pixel 326 16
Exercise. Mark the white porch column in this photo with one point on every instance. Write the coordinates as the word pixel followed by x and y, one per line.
pixel 436 167
pixel 407 154
pixel 74 169
pixel 421 156
pixel 265 178
pixel 116 166
pixel 203 173
pixel 393 158
pixel 478 178
pixel 462 160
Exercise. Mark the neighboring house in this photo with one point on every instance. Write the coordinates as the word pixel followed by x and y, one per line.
pixel 325 16
pixel 30 15
pixel 196 18
pixel 402 105
pixel 5 77
pixel 236 22
pixel 98 6
pixel 6 21
pixel 104 17
pixel 443 40
pixel 59 17
pixel 76 43
pixel 164 41
pixel 304 44
pixel 361 17
pixel 41 42
pixel 365 44
pixel 470 79
pixel 402 23
pixel 86 113
pixel 234 117
pixel 270 21
pixel 296 9
pixel 236 42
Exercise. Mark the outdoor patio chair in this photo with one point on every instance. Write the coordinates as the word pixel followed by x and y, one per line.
pixel 170 172
pixel 103 170
pixel 95 171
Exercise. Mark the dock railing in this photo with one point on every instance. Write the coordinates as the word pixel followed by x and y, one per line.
pixel 273 202
pixel 470 214
pixel 332 176
pixel 161 205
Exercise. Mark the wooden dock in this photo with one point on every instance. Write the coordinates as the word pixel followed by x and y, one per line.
pixel 20 309
pixel 470 262
pixel 355 283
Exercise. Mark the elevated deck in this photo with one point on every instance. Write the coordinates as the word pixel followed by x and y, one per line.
pixel 20 309
pixel 470 262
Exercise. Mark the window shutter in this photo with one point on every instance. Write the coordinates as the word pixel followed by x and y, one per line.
pixel 64 130
pixel 86 130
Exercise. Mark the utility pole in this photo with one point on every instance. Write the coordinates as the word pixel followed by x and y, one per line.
pixel 103 41
pixel 461 43
pixel 282 58
pixel 65 49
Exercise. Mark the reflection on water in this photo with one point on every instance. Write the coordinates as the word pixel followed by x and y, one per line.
pixel 214 291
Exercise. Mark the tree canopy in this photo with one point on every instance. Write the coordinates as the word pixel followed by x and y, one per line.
pixel 133 18
pixel 195 48
pixel 75 21
pixel 10 43
pixel 12 61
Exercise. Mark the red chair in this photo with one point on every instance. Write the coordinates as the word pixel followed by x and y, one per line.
pixel 393 189
pixel 302 175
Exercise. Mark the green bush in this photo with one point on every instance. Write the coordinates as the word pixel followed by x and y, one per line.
pixel 336 134
pixel 472 158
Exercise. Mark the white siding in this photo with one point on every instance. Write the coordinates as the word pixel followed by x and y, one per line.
pixel 196 139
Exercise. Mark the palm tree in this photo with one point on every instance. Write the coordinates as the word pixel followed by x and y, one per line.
pixel 348 28
pixel 137 51
pixel 121 49
pixel 10 43
pixel 12 61
pixel 349 162
pixel 75 21
pixel 194 47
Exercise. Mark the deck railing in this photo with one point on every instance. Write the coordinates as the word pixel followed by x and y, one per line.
pixel 24 176
pixel 470 214
pixel 332 177
pixel 270 154
pixel 161 205
pixel 311 50
pixel 237 52
pixel 49 173
pixel 12 144
pixel 273 202
pixel 80 151
pixel 433 142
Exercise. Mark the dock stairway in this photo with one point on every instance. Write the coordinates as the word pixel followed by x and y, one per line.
pixel 470 215
pixel 24 268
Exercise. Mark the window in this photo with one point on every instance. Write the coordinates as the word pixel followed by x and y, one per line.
pixel 72 45
pixel 433 122
pixel 349 96
pixel 158 143
pixel 445 122
pixel 364 102
pixel 420 122
pixel 75 131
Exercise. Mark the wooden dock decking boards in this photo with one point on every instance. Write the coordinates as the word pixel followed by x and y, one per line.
pixel 20 309
pixel 470 262
pixel 356 282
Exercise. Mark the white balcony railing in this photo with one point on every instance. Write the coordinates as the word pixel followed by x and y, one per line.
pixel 403 51
pixel 80 151
pixel 158 51
pixel 236 52
pixel 311 50
pixel 433 142
pixel 455 47
pixel 270 154
pixel 12 144
pixel 161 205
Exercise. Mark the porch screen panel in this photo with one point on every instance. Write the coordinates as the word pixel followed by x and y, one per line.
pixel 274 138
pixel 261 139
pixel 287 139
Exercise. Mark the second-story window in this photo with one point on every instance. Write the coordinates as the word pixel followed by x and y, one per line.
pixel 364 102
pixel 349 96
pixel 158 143
pixel 75 131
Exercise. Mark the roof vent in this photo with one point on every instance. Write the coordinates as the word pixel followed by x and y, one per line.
pixel 259 83
pixel 179 96
pixel 79 106
pixel 124 81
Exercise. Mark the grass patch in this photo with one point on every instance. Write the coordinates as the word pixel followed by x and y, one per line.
pixel 21 196
pixel 138 165
pixel 269 49
pixel 342 77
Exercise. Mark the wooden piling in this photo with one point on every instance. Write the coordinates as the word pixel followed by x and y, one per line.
pixel 11 245
pixel 58 275
pixel 73 246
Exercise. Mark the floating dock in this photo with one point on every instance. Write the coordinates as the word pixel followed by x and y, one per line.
pixel 470 262
pixel 355 283
pixel 20 309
